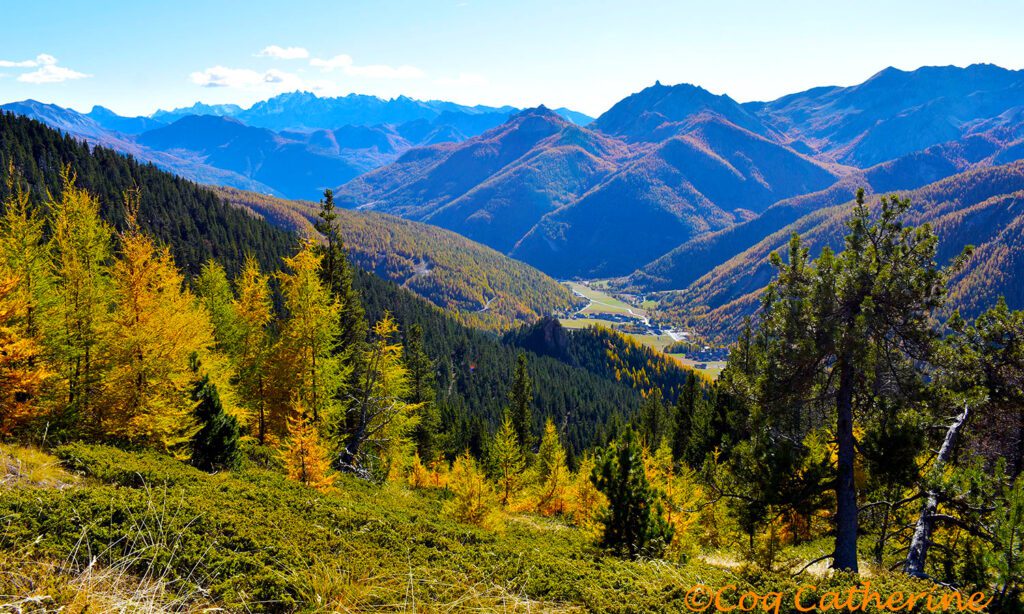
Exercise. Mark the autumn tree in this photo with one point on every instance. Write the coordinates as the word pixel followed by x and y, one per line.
pixel 253 314
pixel 507 460
pixel 81 245
pixel 553 478
pixel 306 460
pixel 473 500
pixel 309 371
pixel 381 420
pixel 154 331
pixel 217 297
pixel 21 370
pixel 25 255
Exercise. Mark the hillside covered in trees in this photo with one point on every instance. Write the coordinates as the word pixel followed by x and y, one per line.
pixel 482 287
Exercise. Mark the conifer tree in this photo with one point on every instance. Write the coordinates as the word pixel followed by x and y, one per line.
pixel 25 255
pixel 21 370
pixel 215 446
pixel 553 479
pixel 422 394
pixel 153 333
pixel 382 421
pixel 253 312
pixel 507 460
pixel 338 278
pixel 587 503
pixel 81 244
pixel 305 458
pixel 216 295
pixel 654 420
pixel 633 522
pixel 473 499
pixel 308 369
pixel 520 399
pixel 683 421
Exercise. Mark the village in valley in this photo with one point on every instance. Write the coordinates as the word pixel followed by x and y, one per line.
pixel 633 315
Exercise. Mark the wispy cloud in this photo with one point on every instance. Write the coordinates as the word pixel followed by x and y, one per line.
pixel 284 53
pixel 245 78
pixel 47 70
pixel 347 65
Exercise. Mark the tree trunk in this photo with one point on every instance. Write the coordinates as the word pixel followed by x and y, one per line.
pixel 918 553
pixel 846 489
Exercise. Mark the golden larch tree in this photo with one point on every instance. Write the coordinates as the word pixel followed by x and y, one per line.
pixel 305 458
pixel 154 331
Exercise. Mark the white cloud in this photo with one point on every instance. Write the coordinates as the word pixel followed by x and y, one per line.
pixel 284 53
pixel 270 80
pixel 347 65
pixel 47 70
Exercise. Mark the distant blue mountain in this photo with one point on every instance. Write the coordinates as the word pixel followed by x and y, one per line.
pixel 126 125
pixel 307 111
pixel 292 145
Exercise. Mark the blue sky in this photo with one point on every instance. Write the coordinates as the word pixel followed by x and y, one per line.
pixel 135 57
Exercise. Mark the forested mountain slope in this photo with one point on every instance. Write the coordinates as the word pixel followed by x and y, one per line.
pixel 190 219
pixel 480 286
pixel 981 208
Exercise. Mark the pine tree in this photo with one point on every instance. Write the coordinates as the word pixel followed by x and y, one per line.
pixel 633 523
pixel 552 473
pixel 422 394
pixel 520 399
pixel 153 333
pixel 305 459
pixel 253 312
pixel 308 369
pixel 683 420
pixel 507 460
pixel 215 446
pixel 338 278
pixel 81 244
pixel 654 421
pixel 473 499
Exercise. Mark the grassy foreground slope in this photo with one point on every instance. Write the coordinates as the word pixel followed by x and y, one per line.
pixel 484 287
pixel 253 541
pixel 109 530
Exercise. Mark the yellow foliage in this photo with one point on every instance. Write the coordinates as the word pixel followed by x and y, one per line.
pixel 153 333
pixel 305 458
pixel 585 500
pixel 21 369
pixel 474 500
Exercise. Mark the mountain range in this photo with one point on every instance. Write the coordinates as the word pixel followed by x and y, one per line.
pixel 673 192
pixel 292 145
